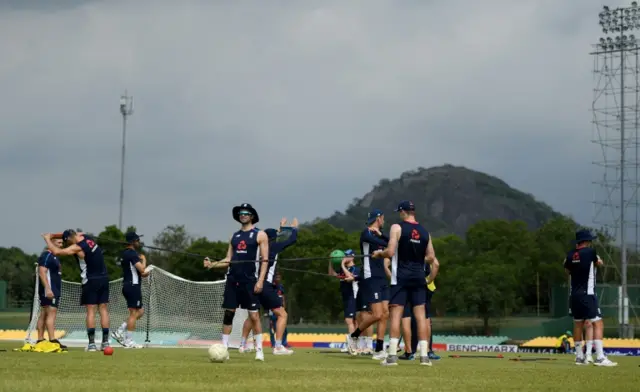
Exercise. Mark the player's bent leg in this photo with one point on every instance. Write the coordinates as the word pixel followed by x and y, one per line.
pixel 396 312
pixel 254 315
pixel 91 327
pixel 281 325
pixel 246 329
pixel 104 323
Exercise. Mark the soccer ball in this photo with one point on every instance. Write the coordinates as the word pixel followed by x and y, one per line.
pixel 218 353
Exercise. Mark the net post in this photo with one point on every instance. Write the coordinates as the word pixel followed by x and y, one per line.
pixel 32 314
pixel 148 312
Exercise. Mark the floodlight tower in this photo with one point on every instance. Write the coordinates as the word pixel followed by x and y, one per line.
pixel 126 109
pixel 616 118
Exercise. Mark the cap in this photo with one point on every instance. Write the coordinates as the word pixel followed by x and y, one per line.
pixel 131 236
pixel 349 253
pixel 406 206
pixel 271 233
pixel 67 233
pixel 373 215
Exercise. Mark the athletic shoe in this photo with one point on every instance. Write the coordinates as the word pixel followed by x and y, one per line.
pixel 118 335
pixel 104 345
pixel 282 351
pixel 425 361
pixel 392 360
pixel 352 345
pixel 245 349
pixel 407 357
pixel 433 356
pixel 380 355
pixel 604 362
pixel 366 351
pixel 132 344
pixel 581 361
pixel 259 355
pixel 91 347
pixel 589 359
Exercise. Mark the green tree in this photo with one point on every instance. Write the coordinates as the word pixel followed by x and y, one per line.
pixel 18 269
pixel 172 238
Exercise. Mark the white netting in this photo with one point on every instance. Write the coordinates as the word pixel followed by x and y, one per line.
pixel 178 312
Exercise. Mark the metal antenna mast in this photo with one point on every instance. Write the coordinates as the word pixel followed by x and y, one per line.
pixel 126 109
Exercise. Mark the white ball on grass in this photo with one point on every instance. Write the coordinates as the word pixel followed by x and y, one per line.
pixel 218 353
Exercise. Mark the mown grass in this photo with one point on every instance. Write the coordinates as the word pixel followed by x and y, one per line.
pixel 306 370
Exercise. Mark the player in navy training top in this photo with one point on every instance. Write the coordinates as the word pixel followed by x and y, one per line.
pixel 133 266
pixel 95 280
pixel 409 248
pixel 269 298
pixel 580 264
pixel 247 261
pixel 374 287
pixel 49 291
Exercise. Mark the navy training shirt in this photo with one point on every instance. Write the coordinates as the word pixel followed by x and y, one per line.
pixel 128 260
pixel 275 247
pixel 408 262
pixel 370 241
pixel 581 264
pixel 93 266
pixel 350 288
pixel 244 266
pixel 54 273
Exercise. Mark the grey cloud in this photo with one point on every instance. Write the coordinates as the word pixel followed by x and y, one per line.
pixel 294 108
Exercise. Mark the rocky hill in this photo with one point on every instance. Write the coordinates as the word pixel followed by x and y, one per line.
pixel 449 199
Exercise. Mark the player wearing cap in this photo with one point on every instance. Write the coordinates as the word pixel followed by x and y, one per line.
pixel 374 283
pixel 347 288
pixel 247 261
pixel 580 264
pixel 95 280
pixel 133 267
pixel 269 298
pixel 409 248
pixel 49 291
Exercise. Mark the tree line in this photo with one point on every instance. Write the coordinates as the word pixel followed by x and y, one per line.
pixel 499 268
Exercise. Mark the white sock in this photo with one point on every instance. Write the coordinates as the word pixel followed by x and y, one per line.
pixel 361 342
pixel 599 349
pixel 129 335
pixel 368 342
pixel 423 347
pixel 589 347
pixel 225 340
pixel 393 346
pixel 579 353
pixel 278 343
pixel 258 340
pixel 123 326
pixel 243 342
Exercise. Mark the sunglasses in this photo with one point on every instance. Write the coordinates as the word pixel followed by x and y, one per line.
pixel 244 214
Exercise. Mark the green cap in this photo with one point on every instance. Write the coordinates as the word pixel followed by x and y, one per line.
pixel 337 256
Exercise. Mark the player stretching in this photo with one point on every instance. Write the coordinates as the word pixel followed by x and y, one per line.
pixel 133 270
pixel 409 248
pixel 49 292
pixel 95 280
pixel 347 290
pixel 269 298
pixel 247 259
pixel 580 264
pixel 374 283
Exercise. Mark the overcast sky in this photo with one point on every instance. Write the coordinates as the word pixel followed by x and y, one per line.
pixel 295 107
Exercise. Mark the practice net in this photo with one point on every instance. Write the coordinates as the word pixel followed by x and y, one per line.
pixel 178 313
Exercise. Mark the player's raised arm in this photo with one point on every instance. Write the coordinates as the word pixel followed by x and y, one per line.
pixel 390 250
pixel 68 251
pixel 432 260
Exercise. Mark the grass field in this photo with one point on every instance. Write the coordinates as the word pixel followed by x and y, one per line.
pixel 306 370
